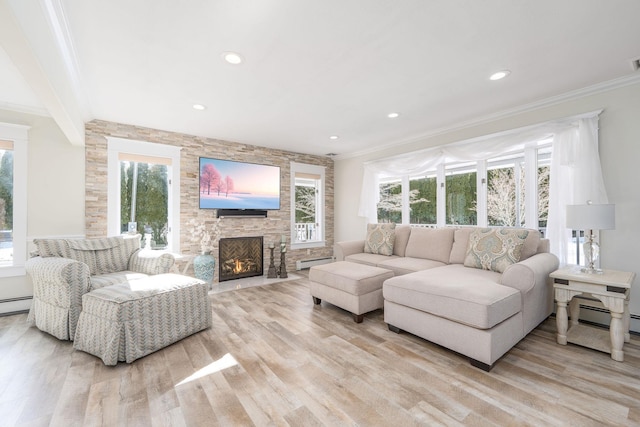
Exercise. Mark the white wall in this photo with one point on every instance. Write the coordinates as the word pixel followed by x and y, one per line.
pixel 620 156
pixel 55 199
pixel 56 183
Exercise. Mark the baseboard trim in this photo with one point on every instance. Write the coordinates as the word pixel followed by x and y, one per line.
pixel 11 306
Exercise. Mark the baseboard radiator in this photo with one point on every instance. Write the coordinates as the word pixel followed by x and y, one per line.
pixel 308 263
pixel 11 306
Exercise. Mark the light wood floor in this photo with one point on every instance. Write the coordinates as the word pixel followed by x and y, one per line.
pixel 272 358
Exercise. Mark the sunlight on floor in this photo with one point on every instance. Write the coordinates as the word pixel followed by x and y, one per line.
pixel 221 364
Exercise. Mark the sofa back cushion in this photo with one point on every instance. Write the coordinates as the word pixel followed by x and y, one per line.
pixel 108 255
pixel 380 239
pixel 430 243
pixel 402 238
pixel 460 245
pixel 104 255
pixel 533 244
pixel 495 248
pixel 52 248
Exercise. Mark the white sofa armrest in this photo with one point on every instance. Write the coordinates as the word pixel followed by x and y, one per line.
pixel 61 279
pixel 58 286
pixel 151 263
pixel 344 249
pixel 531 278
pixel 531 272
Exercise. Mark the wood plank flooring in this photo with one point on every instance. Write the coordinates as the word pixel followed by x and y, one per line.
pixel 273 359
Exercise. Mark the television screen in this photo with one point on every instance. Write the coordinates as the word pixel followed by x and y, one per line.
pixel 226 184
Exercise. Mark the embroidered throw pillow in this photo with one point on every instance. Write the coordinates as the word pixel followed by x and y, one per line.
pixel 495 249
pixel 380 238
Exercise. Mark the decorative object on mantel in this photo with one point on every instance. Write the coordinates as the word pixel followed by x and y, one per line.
pixel 272 274
pixel 206 234
pixel 283 251
pixel 591 217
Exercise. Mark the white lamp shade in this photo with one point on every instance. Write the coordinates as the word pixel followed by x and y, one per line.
pixel 591 217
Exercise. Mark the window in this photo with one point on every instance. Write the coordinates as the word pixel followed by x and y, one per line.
pixel 144 192
pixel 307 205
pixel 144 198
pixel 423 200
pixel 390 204
pixel 544 169
pixel 511 190
pixel 506 192
pixel 13 199
pixel 6 203
pixel 461 195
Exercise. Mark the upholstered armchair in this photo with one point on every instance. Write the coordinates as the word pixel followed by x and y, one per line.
pixel 66 269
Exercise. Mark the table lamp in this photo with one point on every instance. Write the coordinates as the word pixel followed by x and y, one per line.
pixel 591 217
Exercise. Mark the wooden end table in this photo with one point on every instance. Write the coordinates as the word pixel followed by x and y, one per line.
pixel 610 287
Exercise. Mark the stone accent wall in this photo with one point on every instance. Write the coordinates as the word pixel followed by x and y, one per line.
pixel 277 223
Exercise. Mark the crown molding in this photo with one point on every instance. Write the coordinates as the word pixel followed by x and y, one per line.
pixel 533 106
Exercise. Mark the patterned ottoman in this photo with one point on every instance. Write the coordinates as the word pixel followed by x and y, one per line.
pixel 353 287
pixel 127 321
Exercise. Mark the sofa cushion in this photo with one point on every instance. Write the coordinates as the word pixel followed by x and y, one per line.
pixel 102 280
pixel 352 278
pixel 531 244
pixel 460 245
pixel 402 237
pixel 430 243
pixel 495 249
pixel 380 239
pixel 469 296
pixel 368 259
pixel 52 248
pixel 105 255
pixel 406 265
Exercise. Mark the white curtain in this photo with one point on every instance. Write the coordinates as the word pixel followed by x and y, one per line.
pixel 575 160
pixel 575 177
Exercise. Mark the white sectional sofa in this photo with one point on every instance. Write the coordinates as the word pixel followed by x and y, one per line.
pixel 454 286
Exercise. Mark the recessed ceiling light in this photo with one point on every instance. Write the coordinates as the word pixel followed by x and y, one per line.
pixel 334 137
pixel 232 58
pixel 199 107
pixel 393 115
pixel 500 75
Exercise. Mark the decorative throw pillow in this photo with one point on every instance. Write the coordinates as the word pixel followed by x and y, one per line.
pixel 495 249
pixel 380 238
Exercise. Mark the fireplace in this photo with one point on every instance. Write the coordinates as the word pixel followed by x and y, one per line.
pixel 240 257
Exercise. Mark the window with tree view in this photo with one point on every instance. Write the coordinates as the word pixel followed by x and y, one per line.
pixel 544 169
pixel 422 200
pixel 307 207
pixel 6 202
pixel 144 198
pixel 461 195
pixel 513 192
pixel 505 193
pixel 390 204
pixel 307 203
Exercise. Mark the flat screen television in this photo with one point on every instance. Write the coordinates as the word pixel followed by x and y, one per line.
pixel 227 184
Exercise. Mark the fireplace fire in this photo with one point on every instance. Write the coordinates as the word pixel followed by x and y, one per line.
pixel 240 257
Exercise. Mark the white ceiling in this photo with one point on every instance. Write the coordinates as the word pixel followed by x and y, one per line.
pixel 312 68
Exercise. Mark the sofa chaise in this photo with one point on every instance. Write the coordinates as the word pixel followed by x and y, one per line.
pixel 476 291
